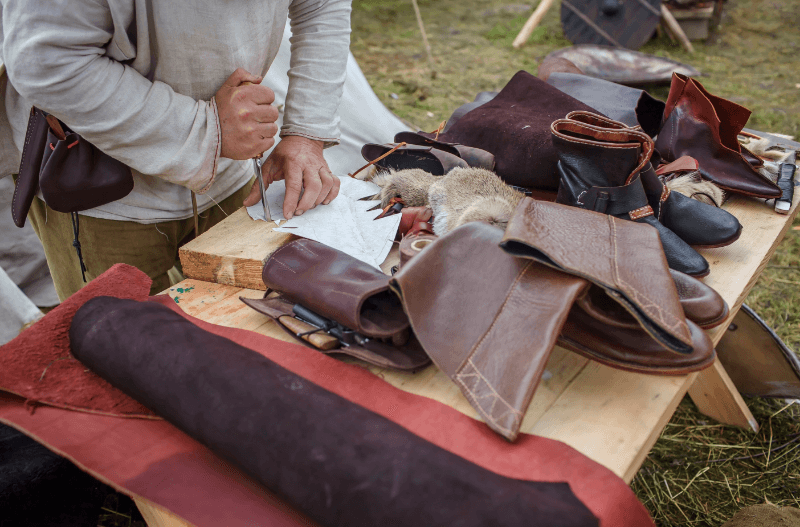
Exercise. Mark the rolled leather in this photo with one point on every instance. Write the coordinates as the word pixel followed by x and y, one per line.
pixel 336 286
pixel 486 319
pixel 623 258
pixel 336 461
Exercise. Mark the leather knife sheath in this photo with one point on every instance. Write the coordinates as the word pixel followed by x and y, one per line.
pixel 408 357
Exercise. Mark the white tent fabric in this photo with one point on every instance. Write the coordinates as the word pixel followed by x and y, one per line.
pixel 364 118
pixel 16 309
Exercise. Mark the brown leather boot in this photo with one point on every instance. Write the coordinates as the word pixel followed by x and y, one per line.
pixel 705 127
pixel 600 169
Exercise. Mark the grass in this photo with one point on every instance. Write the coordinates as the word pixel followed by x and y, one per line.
pixel 699 473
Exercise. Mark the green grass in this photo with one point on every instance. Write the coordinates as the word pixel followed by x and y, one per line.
pixel 699 472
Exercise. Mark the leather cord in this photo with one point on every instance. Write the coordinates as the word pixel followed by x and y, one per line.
pixel 77 244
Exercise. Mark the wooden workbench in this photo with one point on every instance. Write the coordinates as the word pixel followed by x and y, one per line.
pixel 612 416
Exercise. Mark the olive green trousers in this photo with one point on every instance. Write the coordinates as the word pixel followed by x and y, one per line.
pixel 153 248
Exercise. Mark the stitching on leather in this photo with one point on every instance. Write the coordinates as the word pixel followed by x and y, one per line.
pixel 22 162
pixel 641 212
pixel 660 315
pixel 470 394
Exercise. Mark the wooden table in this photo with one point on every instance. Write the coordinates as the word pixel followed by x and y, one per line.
pixel 612 416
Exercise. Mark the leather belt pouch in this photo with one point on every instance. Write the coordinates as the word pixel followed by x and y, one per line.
pixel 336 461
pixel 623 258
pixel 72 173
pixel 408 356
pixel 336 286
pixel 486 319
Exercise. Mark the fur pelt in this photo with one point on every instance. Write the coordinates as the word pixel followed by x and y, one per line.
pixel 695 187
pixel 461 196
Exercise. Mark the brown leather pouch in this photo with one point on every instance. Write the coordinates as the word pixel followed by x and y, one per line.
pixel 336 286
pixel 486 319
pixel 623 258
pixel 72 173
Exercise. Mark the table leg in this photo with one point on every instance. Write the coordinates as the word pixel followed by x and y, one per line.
pixel 716 396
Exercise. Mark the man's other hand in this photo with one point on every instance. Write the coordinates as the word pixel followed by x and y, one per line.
pixel 246 116
pixel 299 161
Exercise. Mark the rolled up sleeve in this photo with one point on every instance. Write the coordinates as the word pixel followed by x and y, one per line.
pixel 55 59
pixel 320 46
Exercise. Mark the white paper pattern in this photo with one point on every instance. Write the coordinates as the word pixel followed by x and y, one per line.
pixel 345 224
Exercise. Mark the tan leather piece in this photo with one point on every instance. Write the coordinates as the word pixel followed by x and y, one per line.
pixel 622 257
pixel 486 319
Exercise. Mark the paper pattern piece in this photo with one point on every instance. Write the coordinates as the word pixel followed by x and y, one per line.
pixel 345 224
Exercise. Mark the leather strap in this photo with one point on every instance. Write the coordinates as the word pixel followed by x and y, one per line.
pixel 628 199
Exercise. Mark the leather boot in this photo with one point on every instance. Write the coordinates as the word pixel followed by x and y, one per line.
pixel 696 223
pixel 705 127
pixel 599 170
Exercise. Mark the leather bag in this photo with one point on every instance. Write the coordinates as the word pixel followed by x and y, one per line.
pixel 72 173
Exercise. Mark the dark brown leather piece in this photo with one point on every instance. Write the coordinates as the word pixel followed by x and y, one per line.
pixel 406 357
pixel 336 286
pixel 28 178
pixel 515 127
pixel 486 319
pixel 475 157
pixel 433 160
pixel 336 461
pixel 705 127
pixel 624 258
pixel 757 360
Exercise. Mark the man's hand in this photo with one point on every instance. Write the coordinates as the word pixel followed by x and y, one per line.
pixel 246 116
pixel 299 161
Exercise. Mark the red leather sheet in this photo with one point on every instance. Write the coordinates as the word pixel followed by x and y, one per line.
pixel 153 459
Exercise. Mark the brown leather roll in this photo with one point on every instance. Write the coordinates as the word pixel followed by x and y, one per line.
pixel 336 286
pixel 486 319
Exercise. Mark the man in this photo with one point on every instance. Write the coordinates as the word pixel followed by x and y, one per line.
pixel 171 89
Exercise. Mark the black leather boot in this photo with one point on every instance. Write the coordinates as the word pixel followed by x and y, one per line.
pixel 696 223
pixel 599 169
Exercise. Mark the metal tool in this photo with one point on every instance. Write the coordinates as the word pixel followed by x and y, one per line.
pixel 786 172
pixel 257 172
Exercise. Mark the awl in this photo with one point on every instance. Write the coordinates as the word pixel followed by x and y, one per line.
pixel 257 172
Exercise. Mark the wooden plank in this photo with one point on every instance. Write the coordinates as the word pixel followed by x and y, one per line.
pixel 156 516
pixel 734 271
pixel 233 251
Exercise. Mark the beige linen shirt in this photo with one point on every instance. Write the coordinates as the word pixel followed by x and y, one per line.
pixel 137 78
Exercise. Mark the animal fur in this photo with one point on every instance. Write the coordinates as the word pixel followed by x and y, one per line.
pixel 461 196
pixel 695 187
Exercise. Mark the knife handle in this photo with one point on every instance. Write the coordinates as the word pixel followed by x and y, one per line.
pixel 786 183
pixel 319 339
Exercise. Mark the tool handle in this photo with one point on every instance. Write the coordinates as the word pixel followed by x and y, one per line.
pixel 319 339
pixel 311 317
